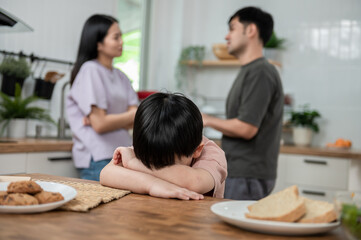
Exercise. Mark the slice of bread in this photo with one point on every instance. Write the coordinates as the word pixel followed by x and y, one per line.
pixel 318 212
pixel 284 206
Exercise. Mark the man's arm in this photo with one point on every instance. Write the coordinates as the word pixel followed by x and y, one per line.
pixel 102 122
pixel 195 179
pixel 117 176
pixel 231 127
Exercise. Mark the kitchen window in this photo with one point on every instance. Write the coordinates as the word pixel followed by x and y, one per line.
pixel 132 16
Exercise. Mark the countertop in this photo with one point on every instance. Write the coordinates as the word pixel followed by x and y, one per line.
pixel 134 217
pixel 322 151
pixel 8 145
pixel 317 151
pixel 48 145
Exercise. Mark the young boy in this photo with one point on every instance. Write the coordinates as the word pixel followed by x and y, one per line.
pixel 170 158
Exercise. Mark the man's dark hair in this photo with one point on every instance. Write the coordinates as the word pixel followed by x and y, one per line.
pixel 262 19
pixel 166 125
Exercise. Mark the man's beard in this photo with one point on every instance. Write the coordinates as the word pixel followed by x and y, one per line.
pixel 238 51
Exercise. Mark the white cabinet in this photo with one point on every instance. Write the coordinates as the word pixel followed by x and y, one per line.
pixel 317 177
pixel 54 163
pixel 317 171
pixel 12 163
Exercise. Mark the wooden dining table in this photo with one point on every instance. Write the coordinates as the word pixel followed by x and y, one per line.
pixel 134 216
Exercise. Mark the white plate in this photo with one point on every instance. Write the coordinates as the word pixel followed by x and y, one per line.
pixel 233 212
pixel 68 193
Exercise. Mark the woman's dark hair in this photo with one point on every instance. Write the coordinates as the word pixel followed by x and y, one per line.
pixel 262 19
pixel 94 31
pixel 166 125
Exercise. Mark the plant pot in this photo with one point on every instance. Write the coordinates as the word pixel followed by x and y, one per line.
pixel 8 84
pixel 302 136
pixel 17 128
pixel 43 89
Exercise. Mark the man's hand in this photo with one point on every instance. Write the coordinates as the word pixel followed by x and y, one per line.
pixel 163 189
pixel 205 118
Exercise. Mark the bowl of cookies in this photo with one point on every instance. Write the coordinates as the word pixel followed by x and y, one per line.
pixel 33 196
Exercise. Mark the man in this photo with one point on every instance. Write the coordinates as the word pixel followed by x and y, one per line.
pixel 254 109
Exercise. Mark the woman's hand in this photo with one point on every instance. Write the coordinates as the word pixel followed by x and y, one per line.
pixel 86 121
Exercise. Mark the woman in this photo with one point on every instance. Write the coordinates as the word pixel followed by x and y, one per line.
pixel 102 103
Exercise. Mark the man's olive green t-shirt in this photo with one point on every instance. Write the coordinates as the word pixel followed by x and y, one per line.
pixel 256 97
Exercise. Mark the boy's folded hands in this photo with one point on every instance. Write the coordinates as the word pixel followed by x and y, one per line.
pixel 123 156
pixel 117 156
pixel 163 189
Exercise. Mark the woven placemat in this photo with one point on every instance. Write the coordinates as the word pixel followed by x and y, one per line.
pixel 88 195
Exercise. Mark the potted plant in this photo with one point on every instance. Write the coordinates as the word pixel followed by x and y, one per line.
pixel 273 46
pixel 13 71
pixel 304 124
pixel 14 113
pixel 194 53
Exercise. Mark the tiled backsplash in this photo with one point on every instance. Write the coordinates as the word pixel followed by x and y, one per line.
pixel 321 64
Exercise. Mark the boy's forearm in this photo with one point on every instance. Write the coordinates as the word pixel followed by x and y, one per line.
pixel 117 176
pixel 123 178
pixel 194 179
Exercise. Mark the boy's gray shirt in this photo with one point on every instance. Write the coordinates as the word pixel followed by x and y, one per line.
pixel 256 97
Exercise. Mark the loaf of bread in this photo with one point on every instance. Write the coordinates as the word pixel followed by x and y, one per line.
pixel 318 212
pixel 284 206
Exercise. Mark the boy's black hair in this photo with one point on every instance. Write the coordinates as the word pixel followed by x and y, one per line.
pixel 166 125
pixel 262 19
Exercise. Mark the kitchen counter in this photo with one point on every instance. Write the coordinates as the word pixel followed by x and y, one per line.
pixel 322 151
pixel 48 145
pixel 316 151
pixel 8 145
pixel 134 217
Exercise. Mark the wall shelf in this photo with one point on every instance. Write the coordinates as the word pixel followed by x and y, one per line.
pixel 223 63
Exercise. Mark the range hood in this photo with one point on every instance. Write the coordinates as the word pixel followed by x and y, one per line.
pixel 10 23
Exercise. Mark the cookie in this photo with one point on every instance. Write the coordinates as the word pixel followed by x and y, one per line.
pixel 48 197
pixel 30 187
pixel 17 199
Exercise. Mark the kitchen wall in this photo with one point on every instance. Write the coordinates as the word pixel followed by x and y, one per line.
pixel 57 27
pixel 321 64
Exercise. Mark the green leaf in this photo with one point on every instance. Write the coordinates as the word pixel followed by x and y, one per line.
pixel 275 42
pixel 305 118
pixel 16 68
pixel 17 107
pixel 195 53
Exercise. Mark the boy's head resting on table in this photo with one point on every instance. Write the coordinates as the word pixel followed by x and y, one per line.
pixel 167 130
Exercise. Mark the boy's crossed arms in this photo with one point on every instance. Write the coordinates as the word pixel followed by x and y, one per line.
pixel 176 181
pixel 170 158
